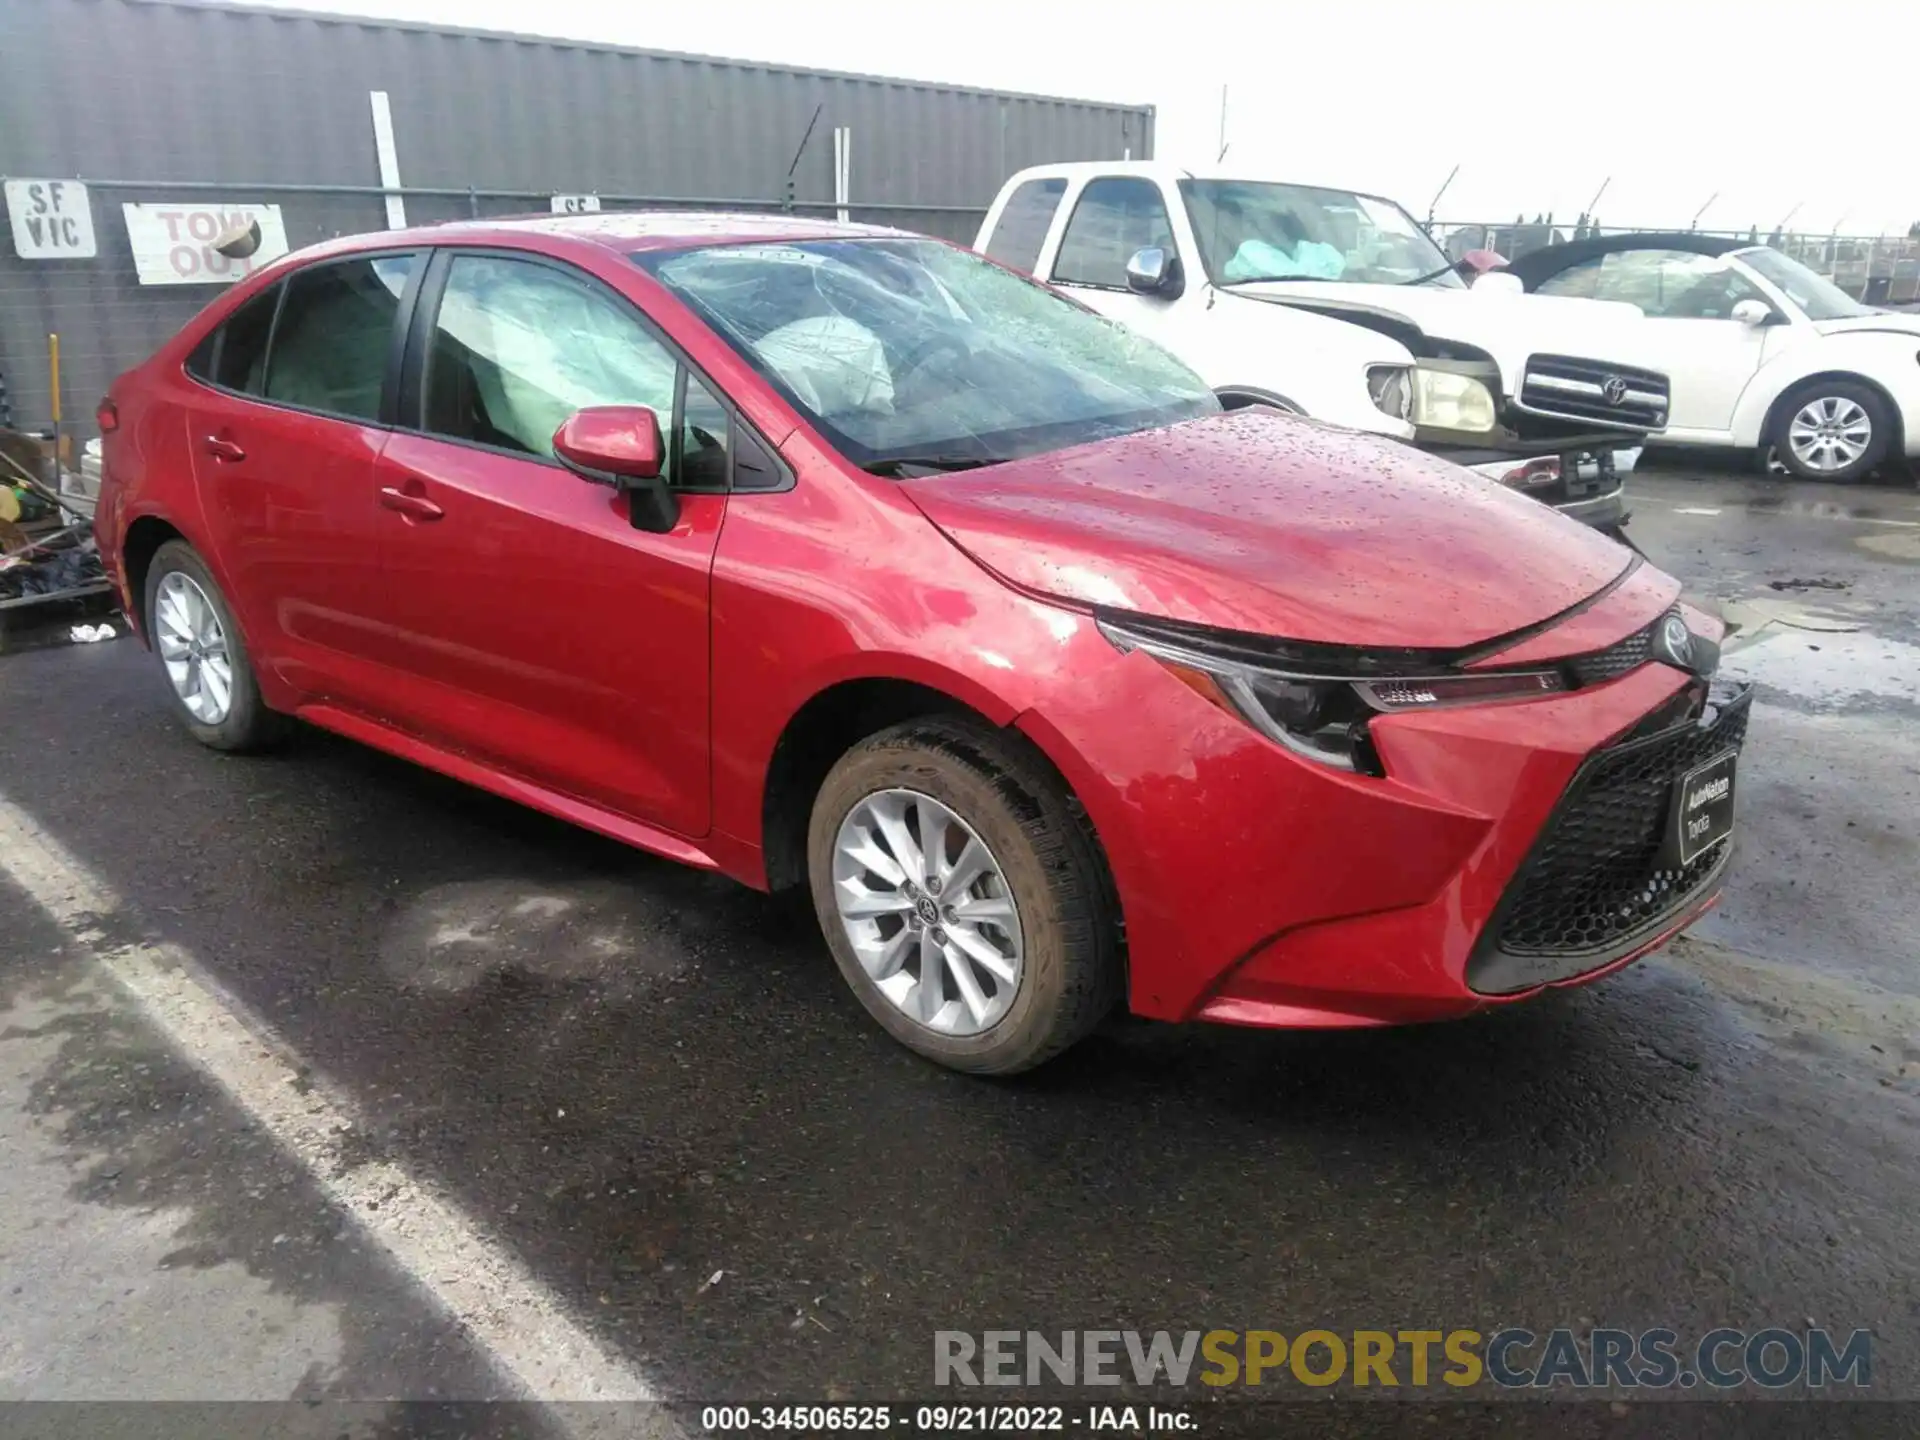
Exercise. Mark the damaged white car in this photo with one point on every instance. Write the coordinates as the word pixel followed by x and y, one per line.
pixel 1338 306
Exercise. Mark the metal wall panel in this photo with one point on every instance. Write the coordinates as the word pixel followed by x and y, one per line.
pixel 157 91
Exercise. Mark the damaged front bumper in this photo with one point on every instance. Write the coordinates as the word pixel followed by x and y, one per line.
pixel 1583 478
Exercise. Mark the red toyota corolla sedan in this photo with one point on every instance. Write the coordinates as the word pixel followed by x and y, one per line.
pixel 832 556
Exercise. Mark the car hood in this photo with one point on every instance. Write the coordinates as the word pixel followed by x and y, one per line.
pixel 1274 525
pixel 1508 327
pixel 1890 322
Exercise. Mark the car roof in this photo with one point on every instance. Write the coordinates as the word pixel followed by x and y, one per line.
pixel 623 230
pixel 1167 170
pixel 1537 265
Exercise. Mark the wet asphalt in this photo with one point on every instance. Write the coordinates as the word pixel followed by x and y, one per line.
pixel 636 1077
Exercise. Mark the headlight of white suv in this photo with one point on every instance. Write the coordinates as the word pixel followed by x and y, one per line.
pixel 1443 400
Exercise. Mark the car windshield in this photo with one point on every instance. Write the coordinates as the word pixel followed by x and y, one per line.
pixel 1254 230
pixel 913 350
pixel 1818 296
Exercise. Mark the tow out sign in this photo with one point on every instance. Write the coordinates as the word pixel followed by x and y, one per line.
pixel 52 219
pixel 173 244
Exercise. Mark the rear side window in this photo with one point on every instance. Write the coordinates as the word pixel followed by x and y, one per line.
pixel 240 358
pixel 335 336
pixel 1115 216
pixel 1022 228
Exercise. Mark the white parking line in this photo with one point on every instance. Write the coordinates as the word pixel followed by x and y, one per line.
pixel 540 1353
pixel 1797 509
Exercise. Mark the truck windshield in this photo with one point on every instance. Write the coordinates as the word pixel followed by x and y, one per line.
pixel 1256 230
pixel 1815 294
pixel 907 353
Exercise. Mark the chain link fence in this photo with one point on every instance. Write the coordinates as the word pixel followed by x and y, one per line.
pixel 1874 269
pixel 107 320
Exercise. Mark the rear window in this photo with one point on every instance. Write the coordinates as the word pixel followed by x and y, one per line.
pixel 1022 228
pixel 335 335
pixel 240 359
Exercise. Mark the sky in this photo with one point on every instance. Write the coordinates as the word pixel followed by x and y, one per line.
pixel 1757 111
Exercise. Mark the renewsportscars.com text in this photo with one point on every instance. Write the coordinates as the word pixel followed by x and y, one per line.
pixel 1773 1358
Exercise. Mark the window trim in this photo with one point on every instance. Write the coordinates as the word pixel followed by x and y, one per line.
pixel 410 405
pixel 1079 199
pixel 402 324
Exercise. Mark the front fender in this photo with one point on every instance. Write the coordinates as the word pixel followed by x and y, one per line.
pixel 1888 361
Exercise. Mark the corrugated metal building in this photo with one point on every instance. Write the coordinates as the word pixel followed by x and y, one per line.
pixel 172 101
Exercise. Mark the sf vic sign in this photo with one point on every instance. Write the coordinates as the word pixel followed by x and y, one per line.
pixel 193 244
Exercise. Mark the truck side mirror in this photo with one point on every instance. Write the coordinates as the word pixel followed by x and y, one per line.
pixel 1155 270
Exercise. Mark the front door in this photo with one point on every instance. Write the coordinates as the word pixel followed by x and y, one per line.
pixel 284 440
pixel 1112 217
pixel 538 627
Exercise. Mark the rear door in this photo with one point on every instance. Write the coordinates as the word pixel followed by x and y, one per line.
pixel 535 625
pixel 284 431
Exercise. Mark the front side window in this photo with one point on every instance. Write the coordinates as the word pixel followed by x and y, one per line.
pixel 1251 230
pixel 519 346
pixel 1021 231
pixel 240 358
pixel 1816 295
pixel 1664 284
pixel 905 349
pixel 335 336
pixel 1113 218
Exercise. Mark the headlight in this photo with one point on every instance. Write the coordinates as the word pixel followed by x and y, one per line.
pixel 1443 400
pixel 1320 717
pixel 1392 389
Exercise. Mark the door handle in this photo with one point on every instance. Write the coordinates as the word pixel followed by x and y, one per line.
pixel 222 449
pixel 414 507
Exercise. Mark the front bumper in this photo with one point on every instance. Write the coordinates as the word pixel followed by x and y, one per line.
pixel 1260 889
pixel 1584 485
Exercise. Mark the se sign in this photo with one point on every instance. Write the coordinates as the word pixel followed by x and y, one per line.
pixel 576 204
pixel 173 244
pixel 52 219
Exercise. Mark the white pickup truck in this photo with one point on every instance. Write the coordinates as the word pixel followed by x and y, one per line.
pixel 1339 306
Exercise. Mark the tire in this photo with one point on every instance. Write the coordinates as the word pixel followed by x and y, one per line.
pixel 1837 399
pixel 245 723
pixel 1070 971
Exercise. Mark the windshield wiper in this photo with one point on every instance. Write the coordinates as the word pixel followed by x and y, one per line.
pixel 1453 269
pixel 1270 279
pixel 898 465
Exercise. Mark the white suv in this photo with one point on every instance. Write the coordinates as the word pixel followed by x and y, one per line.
pixel 1338 306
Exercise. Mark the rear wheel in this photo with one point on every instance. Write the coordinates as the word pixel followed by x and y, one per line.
pixel 962 896
pixel 202 654
pixel 1832 430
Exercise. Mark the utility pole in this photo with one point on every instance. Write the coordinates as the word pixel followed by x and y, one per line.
pixel 1695 223
pixel 1434 203
pixel 1223 126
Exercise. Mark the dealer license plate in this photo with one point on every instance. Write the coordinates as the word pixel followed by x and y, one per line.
pixel 1702 813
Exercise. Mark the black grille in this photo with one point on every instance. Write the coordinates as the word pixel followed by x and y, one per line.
pixel 1620 657
pixel 1594 884
pixel 1576 389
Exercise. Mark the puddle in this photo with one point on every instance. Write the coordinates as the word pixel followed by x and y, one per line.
pixel 1830 670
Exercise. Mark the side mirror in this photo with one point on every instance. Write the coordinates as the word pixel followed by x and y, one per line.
pixel 1155 270
pixel 620 446
pixel 1753 312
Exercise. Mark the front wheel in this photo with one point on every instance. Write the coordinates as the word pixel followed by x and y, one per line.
pixel 1834 430
pixel 962 896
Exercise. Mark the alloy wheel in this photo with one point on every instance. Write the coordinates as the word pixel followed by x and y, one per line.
pixel 928 912
pixel 193 646
pixel 1830 433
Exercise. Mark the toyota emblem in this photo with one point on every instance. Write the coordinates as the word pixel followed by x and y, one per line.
pixel 1679 640
pixel 1615 389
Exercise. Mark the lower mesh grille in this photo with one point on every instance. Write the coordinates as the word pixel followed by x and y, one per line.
pixel 1595 882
